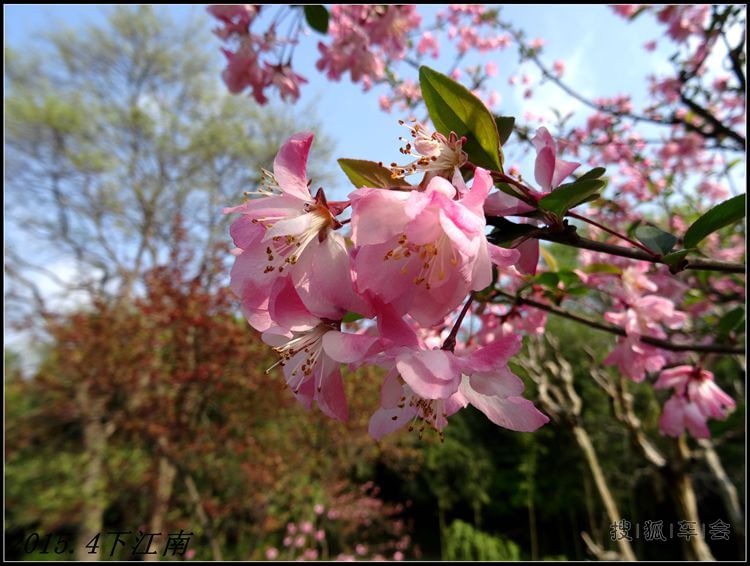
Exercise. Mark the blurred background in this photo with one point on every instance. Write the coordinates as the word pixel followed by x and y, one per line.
pixel 136 395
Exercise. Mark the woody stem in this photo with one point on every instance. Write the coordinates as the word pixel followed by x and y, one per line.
pixel 450 341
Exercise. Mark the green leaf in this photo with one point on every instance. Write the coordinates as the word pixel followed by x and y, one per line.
pixel 506 232
pixel 568 277
pixel 602 268
pixel 731 321
pixel 724 214
pixel 504 127
pixel 577 291
pixel 567 196
pixel 655 239
pixel 317 17
pixel 453 108
pixel 365 173
pixel 548 279
pixel 595 173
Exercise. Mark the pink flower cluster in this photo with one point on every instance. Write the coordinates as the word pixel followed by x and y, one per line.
pixel 246 67
pixel 412 258
pixel 696 398
pixel 645 314
pixel 363 38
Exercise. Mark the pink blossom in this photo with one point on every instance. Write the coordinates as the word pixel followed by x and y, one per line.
pixel 549 171
pixel 307 527
pixel 363 37
pixel 431 385
pixel 680 414
pixel 235 18
pixel 310 554
pixel 428 43
pixel 559 67
pixel 699 387
pixel 424 252
pixel 625 10
pixel 311 350
pixel 286 80
pixel 288 233
pixel 537 43
pixel 272 553
pixel 319 509
pixel 490 69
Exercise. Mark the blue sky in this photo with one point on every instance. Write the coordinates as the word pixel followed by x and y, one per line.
pixel 603 54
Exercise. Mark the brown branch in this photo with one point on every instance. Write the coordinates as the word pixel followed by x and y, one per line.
pixel 570 238
pixel 612 329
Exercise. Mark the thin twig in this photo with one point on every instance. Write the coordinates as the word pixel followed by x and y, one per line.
pixel 612 329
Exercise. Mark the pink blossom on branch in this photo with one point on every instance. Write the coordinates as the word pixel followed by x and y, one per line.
pixel 424 251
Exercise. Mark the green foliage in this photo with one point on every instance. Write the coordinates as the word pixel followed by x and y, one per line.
pixel 363 173
pixel 469 544
pixel 317 17
pixel 504 127
pixel 116 128
pixel 453 108
pixel 724 214
pixel 655 239
pixel 570 195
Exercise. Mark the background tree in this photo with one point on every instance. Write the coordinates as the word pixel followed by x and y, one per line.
pixel 114 129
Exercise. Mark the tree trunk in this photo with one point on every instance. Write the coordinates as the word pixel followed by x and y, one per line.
pixel 205 522
pixel 727 491
pixel 165 482
pixel 584 442
pixel 684 495
pixel 94 442
pixel 532 528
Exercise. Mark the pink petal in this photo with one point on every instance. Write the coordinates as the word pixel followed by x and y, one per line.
pixel 529 258
pixel 543 139
pixel 495 355
pixel 696 422
pixel 391 391
pixel 431 374
pixel 331 396
pixel 502 383
pixel 504 257
pixel 503 204
pixel 514 413
pixel 392 327
pixel 481 275
pixel 386 421
pixel 480 188
pixel 287 309
pixel 294 226
pixel 562 170
pixel 323 279
pixel 377 215
pixel 347 348
pixel 676 377
pixel 245 233
pixel 442 186
pixel 290 166
pixel 544 168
